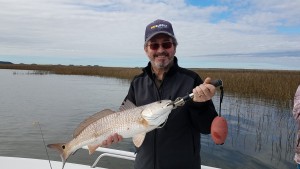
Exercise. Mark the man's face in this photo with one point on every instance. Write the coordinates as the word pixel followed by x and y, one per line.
pixel 160 50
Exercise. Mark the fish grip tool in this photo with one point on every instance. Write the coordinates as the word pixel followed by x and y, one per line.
pixel 180 101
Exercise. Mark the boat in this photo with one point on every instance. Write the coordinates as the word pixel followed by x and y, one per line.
pixel 18 163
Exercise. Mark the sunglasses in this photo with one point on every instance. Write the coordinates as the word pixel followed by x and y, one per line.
pixel 165 45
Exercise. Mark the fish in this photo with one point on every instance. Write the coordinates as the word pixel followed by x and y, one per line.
pixel 129 122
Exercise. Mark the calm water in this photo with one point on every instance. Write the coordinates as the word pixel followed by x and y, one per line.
pixel 261 135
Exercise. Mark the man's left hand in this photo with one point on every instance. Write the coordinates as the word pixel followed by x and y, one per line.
pixel 204 92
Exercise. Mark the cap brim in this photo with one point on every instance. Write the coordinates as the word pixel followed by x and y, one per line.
pixel 159 32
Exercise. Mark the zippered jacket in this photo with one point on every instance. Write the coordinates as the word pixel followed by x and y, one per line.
pixel 176 145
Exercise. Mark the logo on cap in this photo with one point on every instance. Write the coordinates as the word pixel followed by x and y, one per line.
pixel 159 26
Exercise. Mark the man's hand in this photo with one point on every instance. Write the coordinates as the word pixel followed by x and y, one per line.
pixel 115 138
pixel 204 91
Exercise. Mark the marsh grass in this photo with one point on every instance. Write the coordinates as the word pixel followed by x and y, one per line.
pixel 275 85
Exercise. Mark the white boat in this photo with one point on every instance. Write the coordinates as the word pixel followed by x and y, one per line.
pixel 18 163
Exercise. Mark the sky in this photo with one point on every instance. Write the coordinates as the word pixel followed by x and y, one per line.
pixel 254 34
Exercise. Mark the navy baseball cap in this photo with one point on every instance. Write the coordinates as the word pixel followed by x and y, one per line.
pixel 157 27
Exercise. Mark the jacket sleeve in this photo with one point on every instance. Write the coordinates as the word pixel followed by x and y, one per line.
pixel 202 115
pixel 296 114
pixel 296 109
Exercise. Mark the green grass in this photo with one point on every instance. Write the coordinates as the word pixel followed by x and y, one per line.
pixel 275 85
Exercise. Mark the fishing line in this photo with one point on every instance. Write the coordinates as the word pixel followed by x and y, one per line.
pixel 37 123
pixel 221 98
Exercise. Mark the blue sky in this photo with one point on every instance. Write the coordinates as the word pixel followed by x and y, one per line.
pixel 211 33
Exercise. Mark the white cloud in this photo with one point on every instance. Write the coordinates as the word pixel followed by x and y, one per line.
pixel 97 28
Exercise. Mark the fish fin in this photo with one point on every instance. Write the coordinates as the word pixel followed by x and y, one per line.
pixel 62 150
pixel 93 147
pixel 138 139
pixel 91 120
pixel 127 104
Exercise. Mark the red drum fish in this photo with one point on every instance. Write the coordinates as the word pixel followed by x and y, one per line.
pixel 130 121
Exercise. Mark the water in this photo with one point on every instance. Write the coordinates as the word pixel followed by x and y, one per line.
pixel 261 134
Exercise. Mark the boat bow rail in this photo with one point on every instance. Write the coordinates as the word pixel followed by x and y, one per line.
pixel 108 152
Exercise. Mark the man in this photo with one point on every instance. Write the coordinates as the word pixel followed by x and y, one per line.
pixel 177 143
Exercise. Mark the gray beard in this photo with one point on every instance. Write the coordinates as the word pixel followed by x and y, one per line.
pixel 161 65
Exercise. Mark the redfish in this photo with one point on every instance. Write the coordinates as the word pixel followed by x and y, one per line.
pixel 130 121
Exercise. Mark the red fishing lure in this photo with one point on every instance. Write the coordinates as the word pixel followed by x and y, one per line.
pixel 219 130
pixel 219 127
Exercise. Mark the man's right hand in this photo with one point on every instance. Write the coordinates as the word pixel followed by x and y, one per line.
pixel 115 138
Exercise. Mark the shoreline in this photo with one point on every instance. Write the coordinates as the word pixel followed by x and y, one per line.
pixel 275 85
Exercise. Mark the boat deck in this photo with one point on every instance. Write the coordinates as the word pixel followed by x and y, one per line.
pixel 20 163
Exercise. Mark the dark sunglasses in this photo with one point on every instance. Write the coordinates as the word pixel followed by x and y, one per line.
pixel 165 45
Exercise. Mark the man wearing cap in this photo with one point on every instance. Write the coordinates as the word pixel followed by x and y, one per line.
pixel 177 143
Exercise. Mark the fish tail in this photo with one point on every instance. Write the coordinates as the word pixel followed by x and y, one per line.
pixel 63 151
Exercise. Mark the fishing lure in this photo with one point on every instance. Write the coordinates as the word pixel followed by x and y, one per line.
pixel 219 127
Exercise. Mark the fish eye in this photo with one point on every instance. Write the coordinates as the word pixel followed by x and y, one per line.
pixel 63 146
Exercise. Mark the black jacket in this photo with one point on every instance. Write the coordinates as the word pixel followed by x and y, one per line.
pixel 177 144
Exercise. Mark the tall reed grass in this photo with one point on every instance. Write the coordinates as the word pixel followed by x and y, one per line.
pixel 277 85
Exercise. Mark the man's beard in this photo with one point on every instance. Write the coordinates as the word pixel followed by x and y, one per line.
pixel 162 65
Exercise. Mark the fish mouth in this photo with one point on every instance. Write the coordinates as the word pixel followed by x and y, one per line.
pixel 172 103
